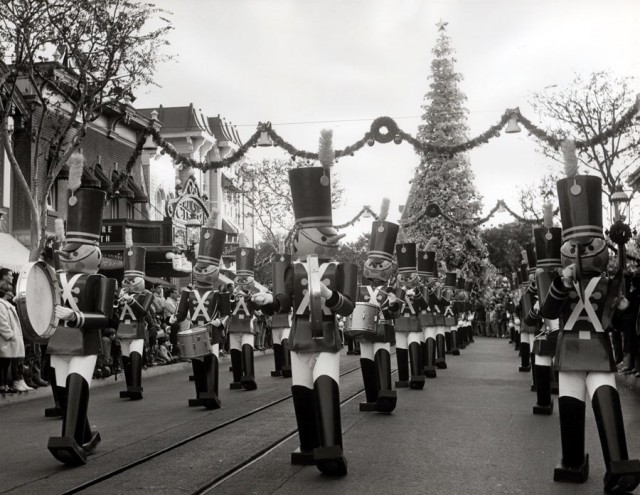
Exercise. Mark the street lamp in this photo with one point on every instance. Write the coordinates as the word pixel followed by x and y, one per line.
pixel 620 202
pixel 620 232
pixel 192 227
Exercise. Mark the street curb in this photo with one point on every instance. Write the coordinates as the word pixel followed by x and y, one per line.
pixel 149 372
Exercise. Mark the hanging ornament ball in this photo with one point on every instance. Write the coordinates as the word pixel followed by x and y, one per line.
pixel 371 141
pixel 397 139
pixel 73 201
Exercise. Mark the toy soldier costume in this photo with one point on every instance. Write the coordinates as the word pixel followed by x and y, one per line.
pixel 375 347
pixel 133 307
pixel 427 315
pixel 585 298
pixel 317 290
pixel 87 307
pixel 206 308
pixel 281 322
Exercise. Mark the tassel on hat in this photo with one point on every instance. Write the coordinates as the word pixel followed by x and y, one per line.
pixel 281 246
pixel 384 209
pixel 547 215
pixel 128 240
pixel 570 158
pixel 523 253
pixel 443 267
pixel 431 245
pixel 326 155
pixel 402 237
pixel 243 242
pixel 76 165
pixel 212 220
pixel 59 230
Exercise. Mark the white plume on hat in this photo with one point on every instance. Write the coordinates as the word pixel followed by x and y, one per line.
pixel 570 158
pixel 523 253
pixel 128 238
pixel 76 165
pixel 547 214
pixel 431 245
pixel 402 236
pixel 281 245
pixel 326 155
pixel 243 242
pixel 443 266
pixel 59 229
pixel 384 209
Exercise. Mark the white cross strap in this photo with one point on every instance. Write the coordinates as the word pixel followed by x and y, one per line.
pixel 200 310
pixel 586 306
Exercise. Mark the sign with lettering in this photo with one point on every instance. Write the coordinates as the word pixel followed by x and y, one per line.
pixel 112 234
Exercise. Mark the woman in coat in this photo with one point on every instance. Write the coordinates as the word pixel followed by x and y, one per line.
pixel 11 342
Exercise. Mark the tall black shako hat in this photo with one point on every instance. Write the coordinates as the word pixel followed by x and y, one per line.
pixel 548 243
pixel 383 235
pixel 311 196
pixel 580 199
pixel 133 256
pixel 245 259
pixel 450 280
pixel 427 259
pixel 406 254
pixel 84 218
pixel 211 246
pixel 532 261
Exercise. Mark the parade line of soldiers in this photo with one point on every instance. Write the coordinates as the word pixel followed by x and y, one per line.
pixel 566 305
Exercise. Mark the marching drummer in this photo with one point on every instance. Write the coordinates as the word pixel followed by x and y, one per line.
pixel 241 327
pixel 207 310
pixel 87 306
pixel 375 347
pixel 318 290
pixel 408 332
pixel 133 306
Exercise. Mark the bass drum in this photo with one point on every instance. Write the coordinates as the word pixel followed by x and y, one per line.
pixel 194 343
pixel 362 321
pixel 38 293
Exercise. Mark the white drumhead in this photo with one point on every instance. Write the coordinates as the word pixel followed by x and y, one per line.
pixel 39 298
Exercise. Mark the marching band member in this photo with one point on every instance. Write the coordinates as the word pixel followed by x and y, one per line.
pixel 87 306
pixel 375 348
pixel 525 305
pixel 449 321
pixel 548 240
pixel 585 297
pixel 206 307
pixel 427 317
pixel 408 332
pixel 281 322
pixel 133 307
pixel 315 338
pixel 532 319
pixel 241 331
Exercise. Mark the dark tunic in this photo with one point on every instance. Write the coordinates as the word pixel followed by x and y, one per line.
pixel 242 310
pixel 90 296
pixel 201 306
pixel 131 321
pixel 341 279
pixel 583 344
pixel 407 321
pixel 428 313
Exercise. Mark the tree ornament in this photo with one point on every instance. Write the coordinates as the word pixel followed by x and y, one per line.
pixel 371 141
pixel 397 139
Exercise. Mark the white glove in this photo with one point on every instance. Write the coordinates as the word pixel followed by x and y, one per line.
pixel 569 275
pixel 216 322
pixel 261 299
pixel 172 319
pixel 392 298
pixel 65 314
pixel 325 291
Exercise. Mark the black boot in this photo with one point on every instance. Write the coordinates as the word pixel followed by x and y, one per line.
pixel 248 380
pixel 209 396
pixel 534 383
pixel 440 352
pixel 126 368
pixel 454 343
pixel 430 358
pixel 525 365
pixel 286 359
pixel 448 342
pixel 135 390
pixel 370 385
pixel 37 377
pixel 329 457
pixel 402 357
pixel 56 410
pixel 543 390
pixel 305 410
pixel 415 358
pixel 236 369
pixel 278 358
pixel 350 346
pixel 623 475
pixel 387 397
pixel 574 467
pixel 554 381
pixel 517 341
pixel 68 448
pixel 200 381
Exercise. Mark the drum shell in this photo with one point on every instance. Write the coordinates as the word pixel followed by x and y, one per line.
pixel 363 320
pixel 194 343
pixel 39 336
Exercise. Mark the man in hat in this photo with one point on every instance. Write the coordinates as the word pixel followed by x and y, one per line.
pixel 133 306
pixel 318 290
pixel 408 332
pixel 281 322
pixel 241 328
pixel 208 308
pixel 87 307
pixel 584 297
pixel 375 347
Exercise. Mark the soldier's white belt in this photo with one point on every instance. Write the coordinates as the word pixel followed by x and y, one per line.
pixel 584 335
pixel 241 317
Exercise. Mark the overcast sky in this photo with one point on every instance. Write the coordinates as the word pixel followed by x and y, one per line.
pixel 313 64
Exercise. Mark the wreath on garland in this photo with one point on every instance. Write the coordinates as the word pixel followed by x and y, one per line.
pixel 384 123
pixel 620 233
pixel 433 210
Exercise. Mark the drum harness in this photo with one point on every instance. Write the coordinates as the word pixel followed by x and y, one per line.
pixel 304 304
pixel 585 305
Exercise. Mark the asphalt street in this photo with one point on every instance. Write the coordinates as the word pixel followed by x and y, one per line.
pixel 471 430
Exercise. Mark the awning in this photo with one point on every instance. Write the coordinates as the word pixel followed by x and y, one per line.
pixel 229 227
pixel 139 195
pixel 123 189
pixel 102 177
pixel 13 255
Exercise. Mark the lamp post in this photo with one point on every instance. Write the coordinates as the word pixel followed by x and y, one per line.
pixel 192 227
pixel 620 232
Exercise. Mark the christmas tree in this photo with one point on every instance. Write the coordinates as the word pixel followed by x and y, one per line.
pixel 446 180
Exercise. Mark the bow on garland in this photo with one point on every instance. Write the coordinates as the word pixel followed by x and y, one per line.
pixel 393 133
pixel 432 210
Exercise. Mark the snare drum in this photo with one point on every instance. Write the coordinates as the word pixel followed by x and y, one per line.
pixel 362 321
pixel 37 295
pixel 194 343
